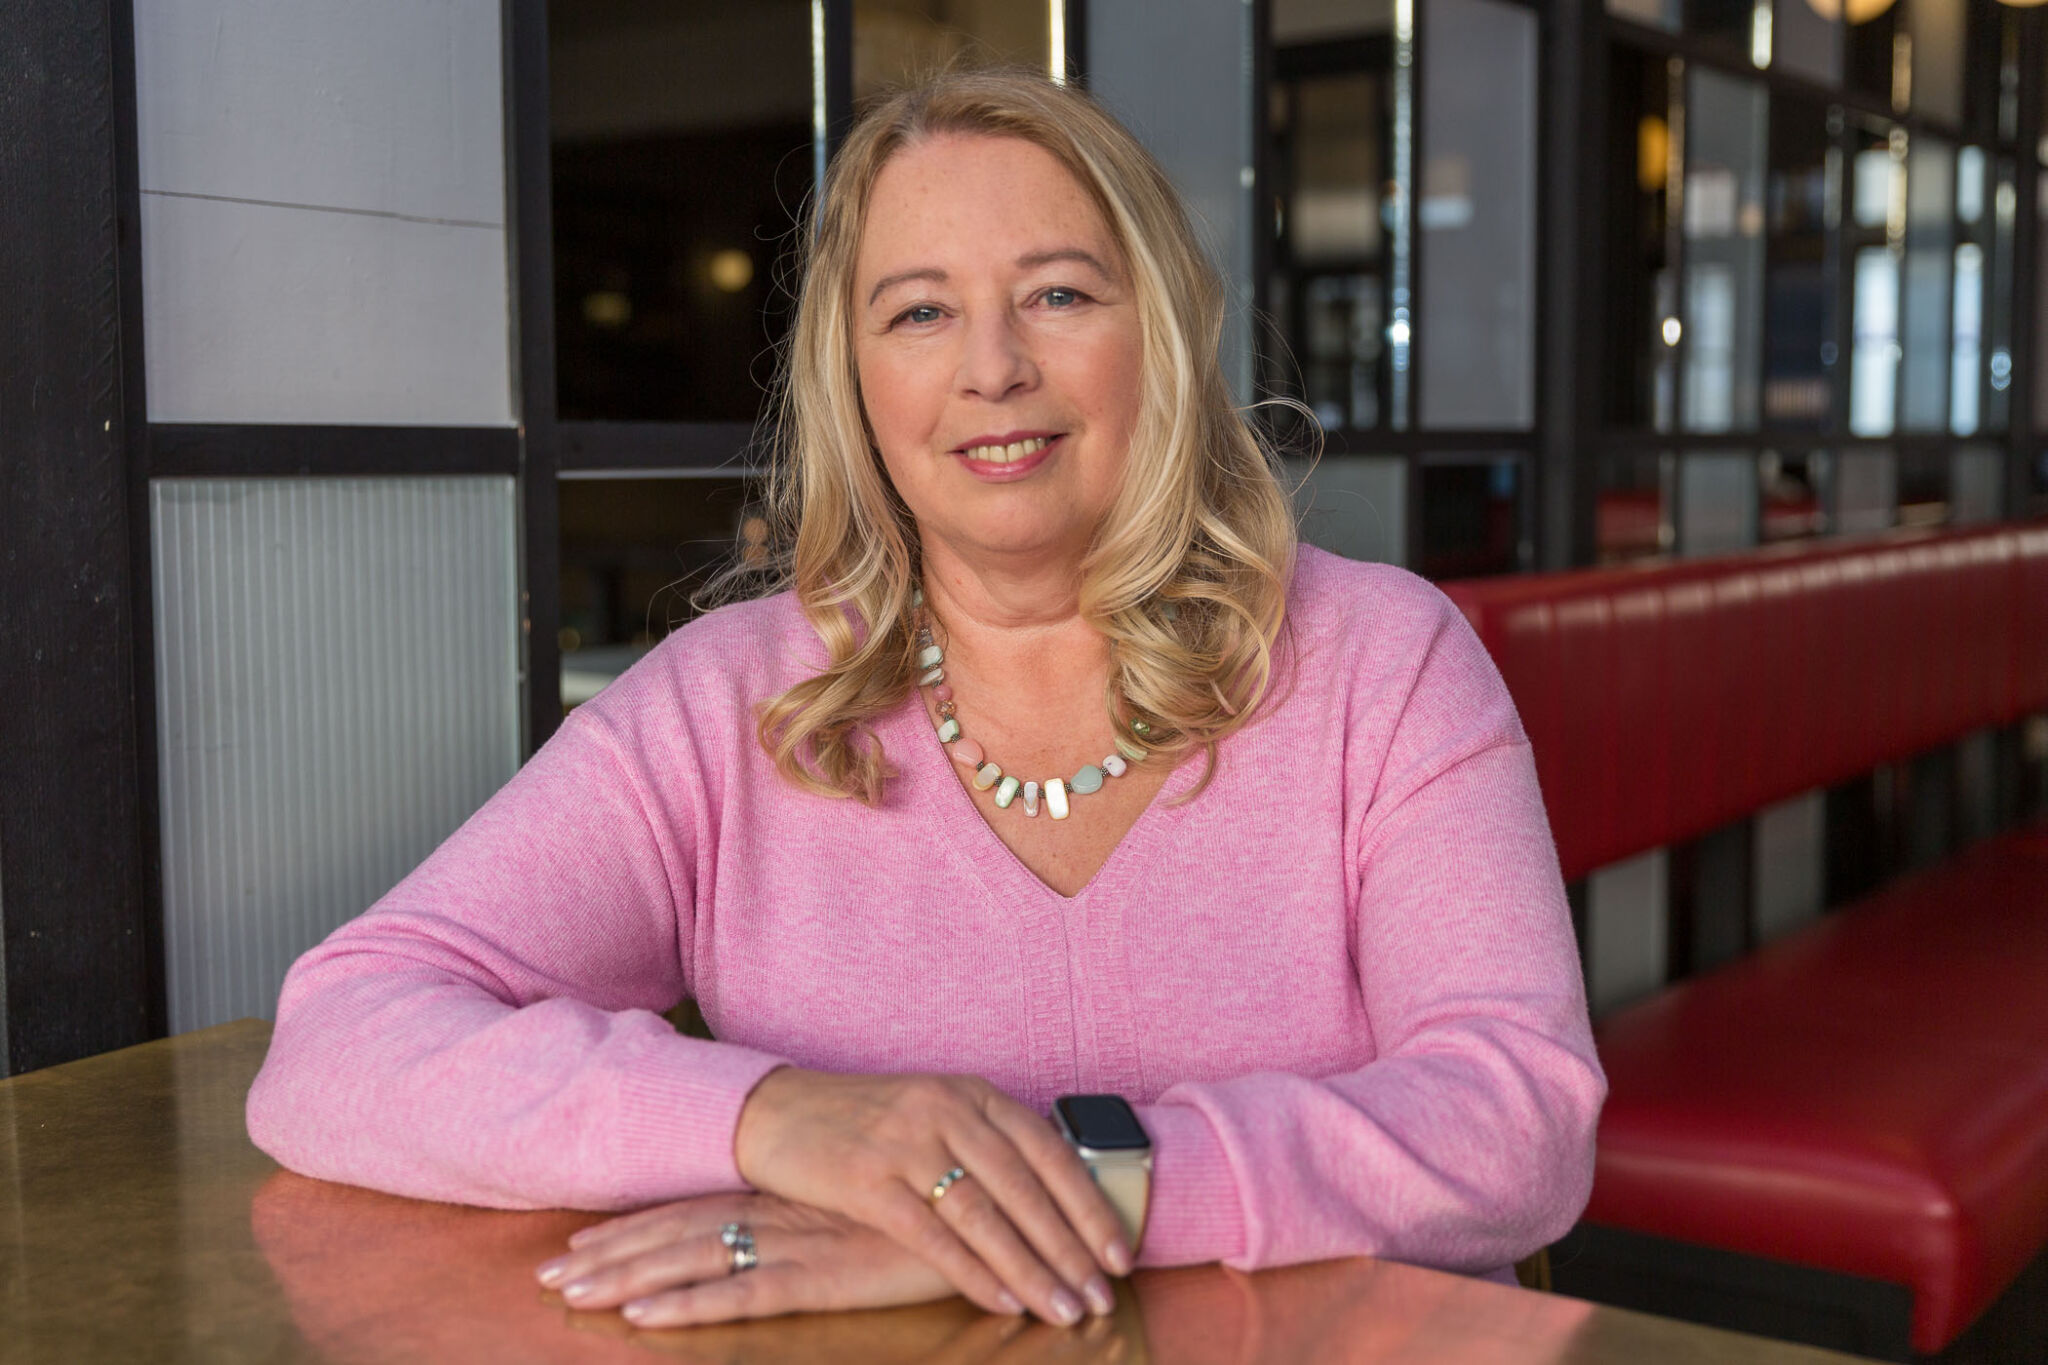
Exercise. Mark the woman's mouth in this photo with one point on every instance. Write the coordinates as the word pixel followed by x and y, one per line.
pixel 1002 461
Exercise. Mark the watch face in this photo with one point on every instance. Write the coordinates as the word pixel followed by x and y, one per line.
pixel 1104 1123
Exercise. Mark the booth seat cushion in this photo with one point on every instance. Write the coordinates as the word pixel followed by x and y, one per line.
pixel 1868 1096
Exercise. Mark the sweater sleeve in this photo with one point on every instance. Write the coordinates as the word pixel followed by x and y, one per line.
pixel 487 1033
pixel 1467 1143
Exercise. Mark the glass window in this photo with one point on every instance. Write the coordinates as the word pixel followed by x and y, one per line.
pixel 1872 51
pixel 1802 208
pixel 1475 308
pixel 1724 252
pixel 682 148
pixel 1717 502
pixel 1644 331
pixel 1331 160
pixel 1876 235
pixel 1662 14
pixel 1632 519
pixel 1806 39
pixel 1732 25
pixel 1929 318
pixel 1354 505
pixel 1935 30
pixel 1923 487
pixel 1998 301
pixel 1472 516
pixel 1865 489
pixel 1790 488
pixel 634 551
pixel 1976 485
pixel 899 41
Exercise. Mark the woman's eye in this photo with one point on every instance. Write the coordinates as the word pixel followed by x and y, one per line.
pixel 1062 298
pixel 919 314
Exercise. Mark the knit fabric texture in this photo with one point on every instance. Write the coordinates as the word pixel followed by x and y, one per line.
pixel 1340 984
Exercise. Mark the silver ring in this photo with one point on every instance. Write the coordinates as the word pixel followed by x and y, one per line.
pixel 739 1245
pixel 946 1182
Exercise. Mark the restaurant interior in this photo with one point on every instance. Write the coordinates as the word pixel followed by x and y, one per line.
pixel 391 385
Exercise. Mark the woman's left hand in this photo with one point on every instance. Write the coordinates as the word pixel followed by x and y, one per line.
pixel 668 1267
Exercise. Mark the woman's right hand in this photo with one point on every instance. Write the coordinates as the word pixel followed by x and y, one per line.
pixel 1028 1227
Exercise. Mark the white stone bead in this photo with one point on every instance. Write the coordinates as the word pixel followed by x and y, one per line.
pixel 1031 798
pixel 931 656
pixel 1114 765
pixel 1056 798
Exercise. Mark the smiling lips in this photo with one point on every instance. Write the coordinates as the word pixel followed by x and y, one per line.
pixel 1007 454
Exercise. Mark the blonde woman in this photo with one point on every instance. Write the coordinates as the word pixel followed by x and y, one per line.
pixel 1074 873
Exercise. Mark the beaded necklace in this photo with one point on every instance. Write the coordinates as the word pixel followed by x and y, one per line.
pixel 931 661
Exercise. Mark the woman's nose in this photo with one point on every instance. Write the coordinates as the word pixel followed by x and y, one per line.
pixel 996 361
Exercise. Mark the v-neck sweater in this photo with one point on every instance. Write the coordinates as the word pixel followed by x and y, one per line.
pixel 1339 983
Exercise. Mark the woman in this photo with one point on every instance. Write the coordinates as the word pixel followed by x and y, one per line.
pixel 1279 877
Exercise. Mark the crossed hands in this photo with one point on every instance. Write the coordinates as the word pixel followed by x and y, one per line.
pixel 846 1216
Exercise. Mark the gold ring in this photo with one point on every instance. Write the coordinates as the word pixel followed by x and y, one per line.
pixel 946 1182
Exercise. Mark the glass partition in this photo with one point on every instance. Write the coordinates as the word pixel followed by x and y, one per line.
pixel 682 149
pixel 1724 252
pixel 1476 217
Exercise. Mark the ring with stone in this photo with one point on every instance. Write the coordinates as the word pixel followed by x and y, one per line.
pixel 739 1246
pixel 946 1182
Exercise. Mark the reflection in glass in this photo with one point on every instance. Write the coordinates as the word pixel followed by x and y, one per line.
pixel 1633 515
pixel 1724 252
pixel 1876 234
pixel 1806 39
pixel 682 147
pixel 1643 164
pixel 1865 490
pixel 1476 215
pixel 896 42
pixel 1803 207
pixel 1334 230
pixel 1923 487
pixel 1928 313
pixel 1472 517
pixel 1789 487
pixel 634 551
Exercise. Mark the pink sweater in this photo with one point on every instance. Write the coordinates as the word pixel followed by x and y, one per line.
pixel 1340 984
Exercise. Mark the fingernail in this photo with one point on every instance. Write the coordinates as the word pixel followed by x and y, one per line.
pixel 579 1291
pixel 1066 1309
pixel 635 1310
pixel 1119 1257
pixel 1010 1302
pixel 1099 1297
pixel 553 1271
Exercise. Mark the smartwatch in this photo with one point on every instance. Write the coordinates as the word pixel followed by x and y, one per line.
pixel 1105 1132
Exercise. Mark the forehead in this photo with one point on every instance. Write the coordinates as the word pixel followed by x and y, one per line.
pixel 950 201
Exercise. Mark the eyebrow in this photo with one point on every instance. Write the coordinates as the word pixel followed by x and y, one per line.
pixel 1029 261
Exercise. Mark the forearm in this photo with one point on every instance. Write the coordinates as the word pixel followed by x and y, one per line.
pixel 1466 1154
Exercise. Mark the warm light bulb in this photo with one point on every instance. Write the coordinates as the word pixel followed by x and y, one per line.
pixel 1860 11
pixel 1653 153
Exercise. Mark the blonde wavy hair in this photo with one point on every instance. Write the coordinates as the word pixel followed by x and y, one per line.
pixel 1187 574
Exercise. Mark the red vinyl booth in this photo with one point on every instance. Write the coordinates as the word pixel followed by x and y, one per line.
pixel 1869 1095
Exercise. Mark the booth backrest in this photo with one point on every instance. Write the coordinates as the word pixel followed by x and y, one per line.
pixel 1664 700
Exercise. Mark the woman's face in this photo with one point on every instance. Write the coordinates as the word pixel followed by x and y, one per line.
pixel 997 341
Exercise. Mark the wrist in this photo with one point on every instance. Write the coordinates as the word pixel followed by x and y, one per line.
pixel 753 1136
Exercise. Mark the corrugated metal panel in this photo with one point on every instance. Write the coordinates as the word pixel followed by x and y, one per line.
pixel 337 689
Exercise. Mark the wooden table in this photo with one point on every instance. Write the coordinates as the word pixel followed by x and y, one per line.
pixel 138 1223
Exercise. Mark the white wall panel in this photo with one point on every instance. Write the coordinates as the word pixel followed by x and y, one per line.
pixel 387 105
pixel 337 690
pixel 323 210
pixel 261 314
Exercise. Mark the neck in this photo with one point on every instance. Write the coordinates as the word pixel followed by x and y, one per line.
pixel 1006 617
